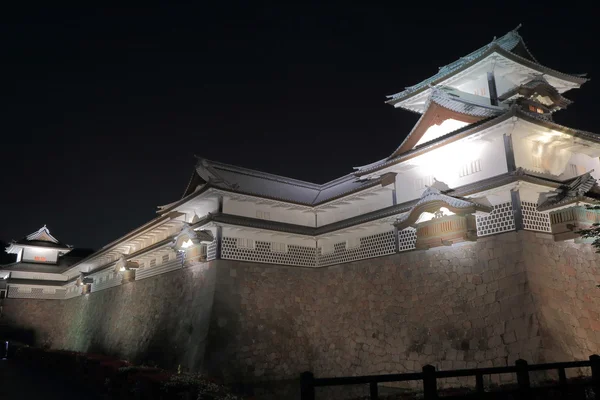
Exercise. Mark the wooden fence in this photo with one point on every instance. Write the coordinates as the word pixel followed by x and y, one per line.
pixel 429 377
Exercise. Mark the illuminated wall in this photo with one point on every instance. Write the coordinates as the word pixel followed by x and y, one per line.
pixel 39 255
pixel 456 164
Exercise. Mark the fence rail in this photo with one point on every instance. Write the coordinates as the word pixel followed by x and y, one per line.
pixel 429 376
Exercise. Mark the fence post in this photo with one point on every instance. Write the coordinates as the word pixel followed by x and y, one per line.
pixel 562 381
pixel 479 384
pixel 523 378
pixel 374 391
pixel 307 387
pixel 429 383
pixel 595 364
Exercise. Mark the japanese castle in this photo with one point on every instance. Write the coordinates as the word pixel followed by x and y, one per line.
pixel 484 158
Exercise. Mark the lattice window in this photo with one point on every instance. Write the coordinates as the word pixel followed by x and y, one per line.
pixel 380 244
pixel 105 281
pixel 153 263
pixel 407 239
pixel 501 219
pixel 423 182
pixel 165 258
pixel 352 243
pixel 534 220
pixel 35 293
pixel 327 247
pixel 470 168
pixel 172 265
pixel 245 243
pixel 211 250
pixel 573 170
pixel 296 255
pixel 278 247
pixel 263 214
pixel 72 291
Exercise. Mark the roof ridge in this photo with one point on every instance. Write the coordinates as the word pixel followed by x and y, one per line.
pixel 506 43
pixel 550 69
pixel 461 61
pixel 558 126
pixel 389 160
pixel 261 174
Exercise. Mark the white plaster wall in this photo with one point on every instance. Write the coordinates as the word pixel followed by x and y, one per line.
pixel 525 149
pixel 445 164
pixel 503 84
pixel 280 214
pixel 339 237
pixel 199 207
pixel 30 253
pixel 381 199
pixel 583 163
pixel 264 236
pixel 37 275
pixel 477 86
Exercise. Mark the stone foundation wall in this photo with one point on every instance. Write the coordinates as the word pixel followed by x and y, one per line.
pixel 463 306
pixel 161 320
pixel 485 303
pixel 563 277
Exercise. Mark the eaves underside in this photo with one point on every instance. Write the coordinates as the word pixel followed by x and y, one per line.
pixel 386 212
pixel 495 48
pixel 314 232
pixel 34 282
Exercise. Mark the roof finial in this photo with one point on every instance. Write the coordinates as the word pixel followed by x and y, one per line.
pixel 517 28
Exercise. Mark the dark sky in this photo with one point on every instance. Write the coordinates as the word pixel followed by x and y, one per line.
pixel 103 109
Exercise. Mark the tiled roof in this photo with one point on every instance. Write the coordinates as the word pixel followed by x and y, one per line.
pixel 529 88
pixel 447 98
pixel 535 118
pixel 575 189
pixel 507 43
pixel 37 267
pixel 466 130
pixel 41 238
pixel 472 128
pixel 449 196
pixel 260 184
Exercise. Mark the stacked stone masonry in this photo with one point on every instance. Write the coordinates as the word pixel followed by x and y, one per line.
pixel 475 304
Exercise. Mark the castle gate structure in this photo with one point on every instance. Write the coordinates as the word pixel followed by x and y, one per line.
pixel 459 249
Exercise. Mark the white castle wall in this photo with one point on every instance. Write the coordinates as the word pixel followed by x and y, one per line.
pixel 482 160
pixel 268 212
pixel 40 255
pixel 376 201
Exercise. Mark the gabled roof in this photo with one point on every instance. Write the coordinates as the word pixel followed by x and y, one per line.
pixel 510 45
pixel 464 103
pixel 256 183
pixel 540 86
pixel 425 147
pixel 39 238
pixel 431 200
pixel 448 103
pixel 572 191
pixel 468 130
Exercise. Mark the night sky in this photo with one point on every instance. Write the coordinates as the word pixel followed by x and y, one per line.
pixel 103 109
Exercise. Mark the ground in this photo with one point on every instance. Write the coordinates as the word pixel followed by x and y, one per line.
pixel 17 382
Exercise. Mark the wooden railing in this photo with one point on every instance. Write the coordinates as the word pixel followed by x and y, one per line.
pixel 429 377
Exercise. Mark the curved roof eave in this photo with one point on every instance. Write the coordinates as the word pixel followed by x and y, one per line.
pixel 494 48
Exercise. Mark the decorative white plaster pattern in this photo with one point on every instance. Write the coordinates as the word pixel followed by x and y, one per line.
pixel 371 246
pixel 296 255
pixel 534 220
pixel 407 239
pixel 501 219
